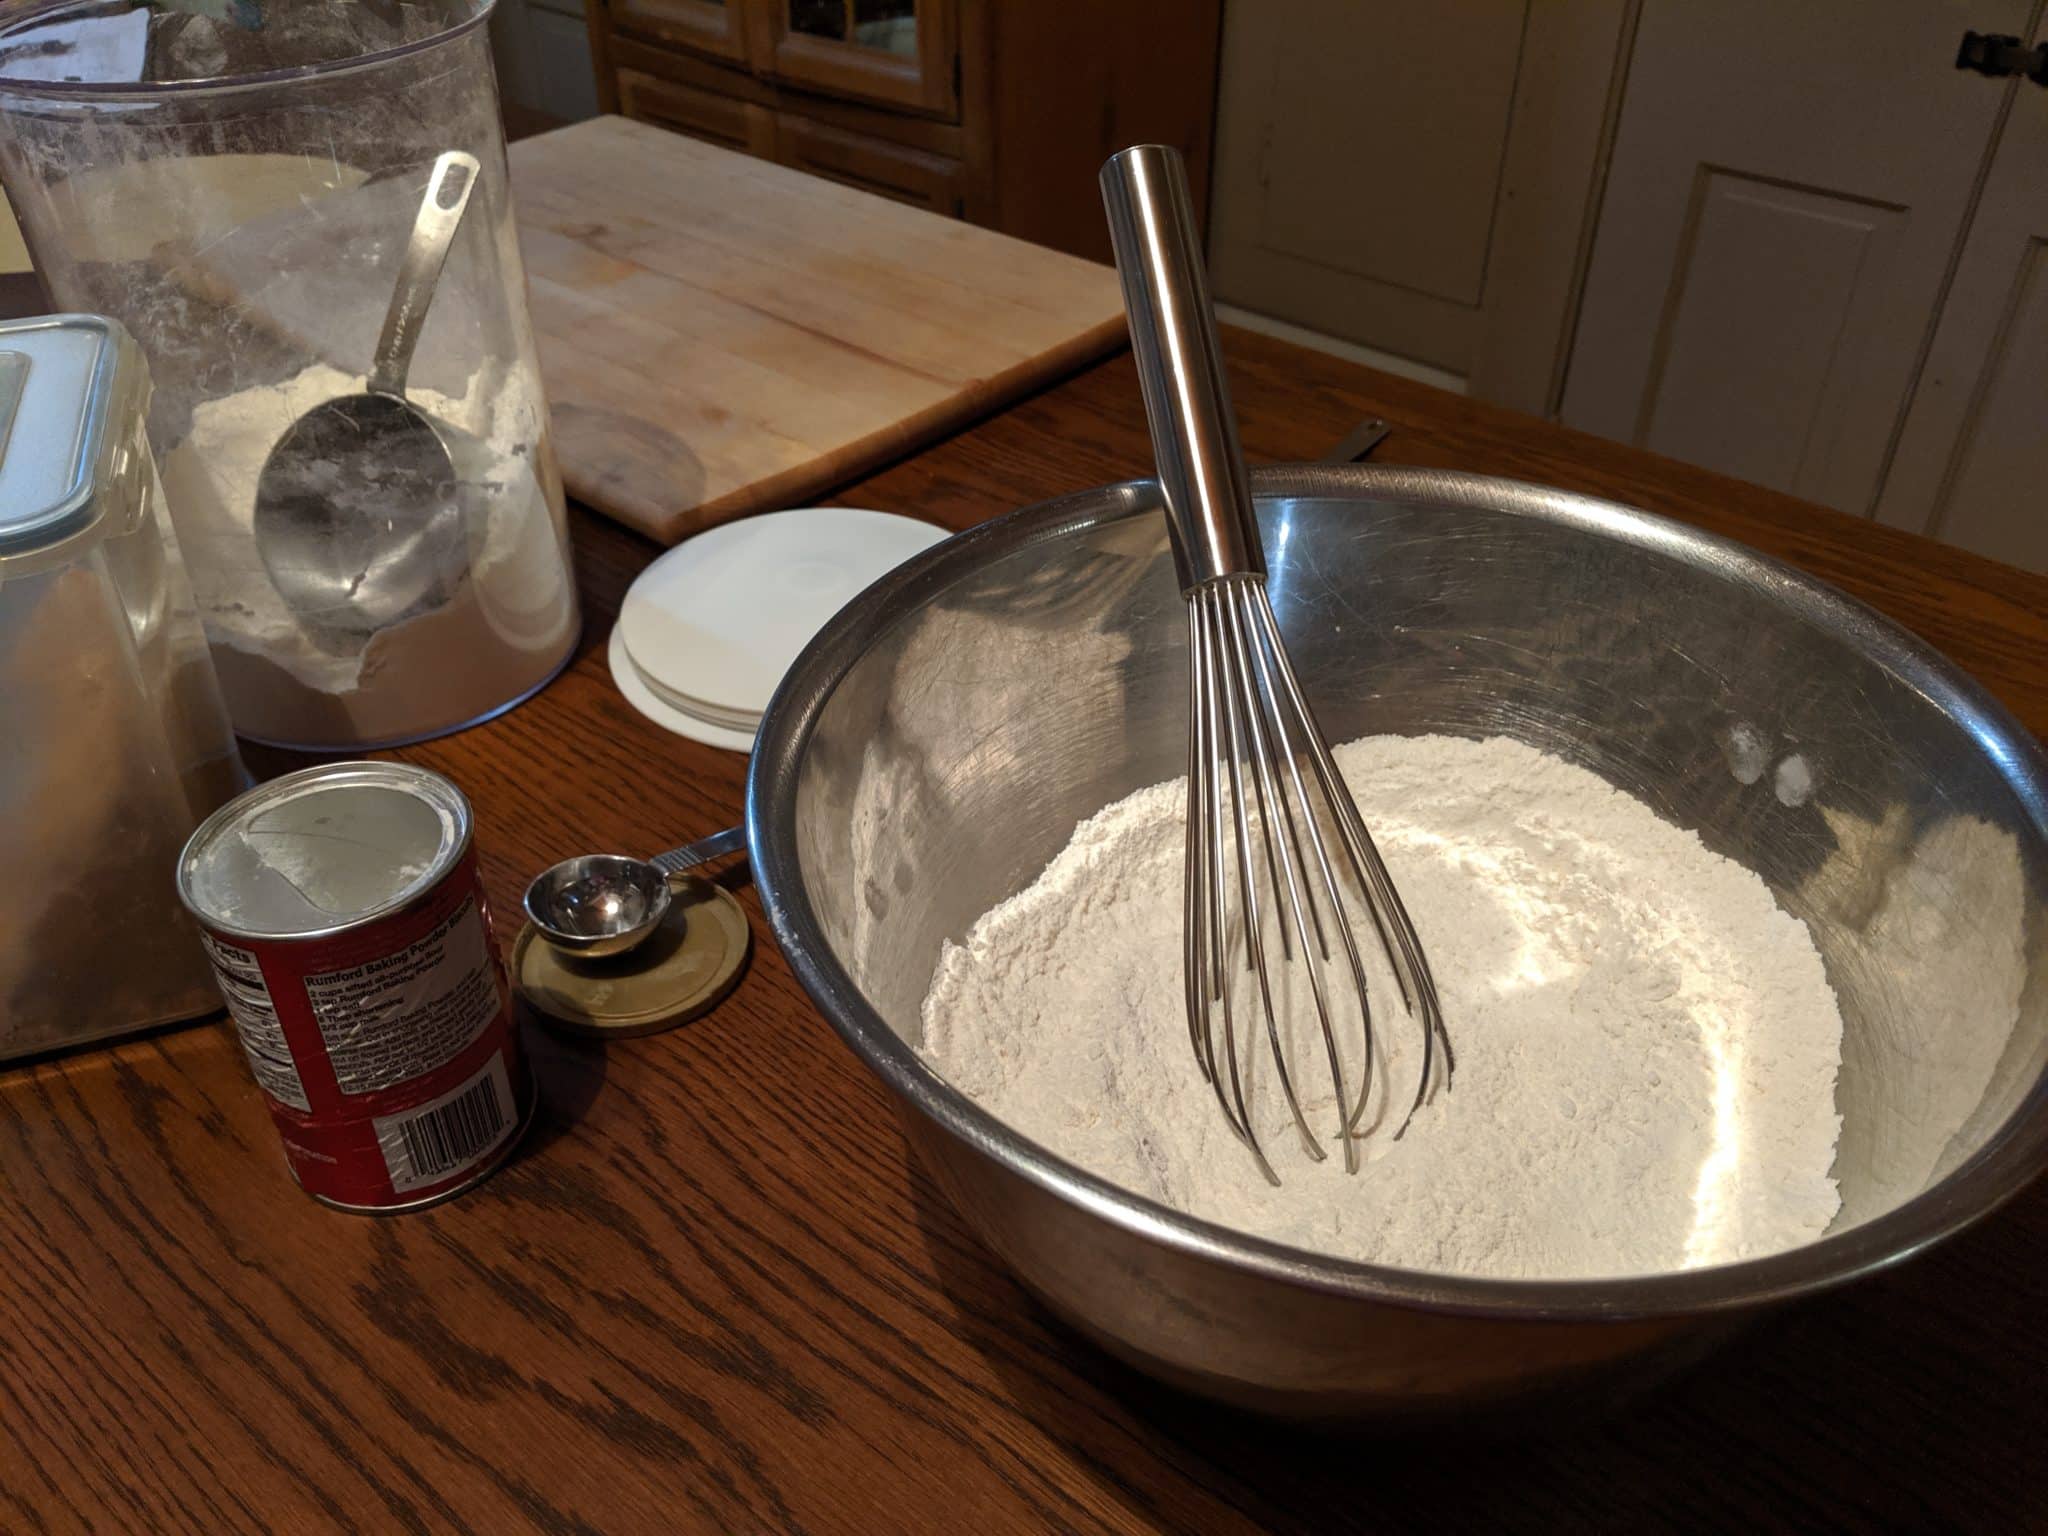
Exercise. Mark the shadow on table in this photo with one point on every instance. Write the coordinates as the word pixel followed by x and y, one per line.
pixel 569 1070
pixel 568 1074
pixel 1894 1405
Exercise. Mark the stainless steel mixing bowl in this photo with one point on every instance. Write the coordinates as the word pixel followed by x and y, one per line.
pixel 937 743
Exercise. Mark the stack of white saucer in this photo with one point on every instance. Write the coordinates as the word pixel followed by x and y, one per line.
pixel 708 630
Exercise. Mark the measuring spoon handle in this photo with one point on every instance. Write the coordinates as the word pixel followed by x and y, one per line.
pixel 448 189
pixel 677 860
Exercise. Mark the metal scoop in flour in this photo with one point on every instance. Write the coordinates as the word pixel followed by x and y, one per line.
pixel 358 512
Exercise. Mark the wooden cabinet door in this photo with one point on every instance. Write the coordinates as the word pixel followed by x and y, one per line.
pixel 701 114
pixel 716 27
pixel 902 52
pixel 1969 467
pixel 1775 235
pixel 895 171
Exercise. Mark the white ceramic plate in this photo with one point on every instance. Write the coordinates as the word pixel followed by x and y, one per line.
pixel 718 619
pixel 667 716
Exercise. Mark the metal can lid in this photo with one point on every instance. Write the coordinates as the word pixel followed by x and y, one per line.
pixel 683 969
pixel 318 851
pixel 62 378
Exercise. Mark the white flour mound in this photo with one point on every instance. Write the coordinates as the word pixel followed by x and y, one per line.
pixel 501 633
pixel 1646 1044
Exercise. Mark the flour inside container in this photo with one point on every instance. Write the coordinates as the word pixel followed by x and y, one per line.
pixel 501 632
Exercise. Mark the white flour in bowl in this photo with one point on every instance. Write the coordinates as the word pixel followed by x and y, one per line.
pixel 1646 1043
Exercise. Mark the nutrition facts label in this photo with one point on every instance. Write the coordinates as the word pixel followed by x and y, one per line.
pixel 263 1042
pixel 398 1017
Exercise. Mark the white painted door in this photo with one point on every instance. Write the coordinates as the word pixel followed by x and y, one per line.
pixel 1413 175
pixel 1972 461
pixel 542 52
pixel 1357 154
pixel 1787 187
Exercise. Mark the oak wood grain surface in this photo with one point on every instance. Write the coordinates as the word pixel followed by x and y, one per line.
pixel 712 1292
pixel 722 334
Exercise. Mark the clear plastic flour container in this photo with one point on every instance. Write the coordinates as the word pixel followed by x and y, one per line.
pixel 245 185
pixel 113 740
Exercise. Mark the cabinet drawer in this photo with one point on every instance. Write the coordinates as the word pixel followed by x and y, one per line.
pixel 702 114
pixel 874 165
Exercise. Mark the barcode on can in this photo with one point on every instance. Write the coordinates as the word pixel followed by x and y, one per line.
pixel 249 1005
pixel 454 1132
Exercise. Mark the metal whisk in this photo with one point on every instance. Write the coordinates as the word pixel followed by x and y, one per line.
pixel 1276 848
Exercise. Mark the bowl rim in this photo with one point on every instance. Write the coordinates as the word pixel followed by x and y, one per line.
pixel 2009 1159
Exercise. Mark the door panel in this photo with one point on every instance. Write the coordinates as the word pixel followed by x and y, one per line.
pixel 1424 224
pixel 1786 189
pixel 567 81
pixel 1358 158
pixel 1969 466
pixel 1770 304
pixel 1996 498
pixel 903 52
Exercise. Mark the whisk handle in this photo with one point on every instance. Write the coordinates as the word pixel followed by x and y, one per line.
pixel 1180 366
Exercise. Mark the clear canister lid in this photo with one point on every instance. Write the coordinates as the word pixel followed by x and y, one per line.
pixel 70 385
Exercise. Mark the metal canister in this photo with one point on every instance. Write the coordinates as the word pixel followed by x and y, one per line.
pixel 345 918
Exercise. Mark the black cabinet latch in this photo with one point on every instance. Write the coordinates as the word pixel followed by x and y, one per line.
pixel 1993 53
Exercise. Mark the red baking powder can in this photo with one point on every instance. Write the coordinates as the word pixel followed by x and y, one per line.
pixel 348 930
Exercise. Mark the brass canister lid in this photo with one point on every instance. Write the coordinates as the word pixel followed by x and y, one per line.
pixel 683 969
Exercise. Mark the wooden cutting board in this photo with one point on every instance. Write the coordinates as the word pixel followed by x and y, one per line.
pixel 720 335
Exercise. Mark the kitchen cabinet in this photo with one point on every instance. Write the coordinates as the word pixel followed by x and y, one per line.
pixel 901 52
pixel 714 26
pixel 996 111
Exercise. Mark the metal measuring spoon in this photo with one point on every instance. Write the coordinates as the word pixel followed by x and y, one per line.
pixel 358 517
pixel 605 903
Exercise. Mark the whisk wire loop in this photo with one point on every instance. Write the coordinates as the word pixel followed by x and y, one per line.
pixel 1249 807
pixel 1296 736
pixel 1390 919
pixel 1273 841
pixel 1241 602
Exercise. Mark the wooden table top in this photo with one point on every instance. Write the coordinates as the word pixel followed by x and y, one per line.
pixel 713 1292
